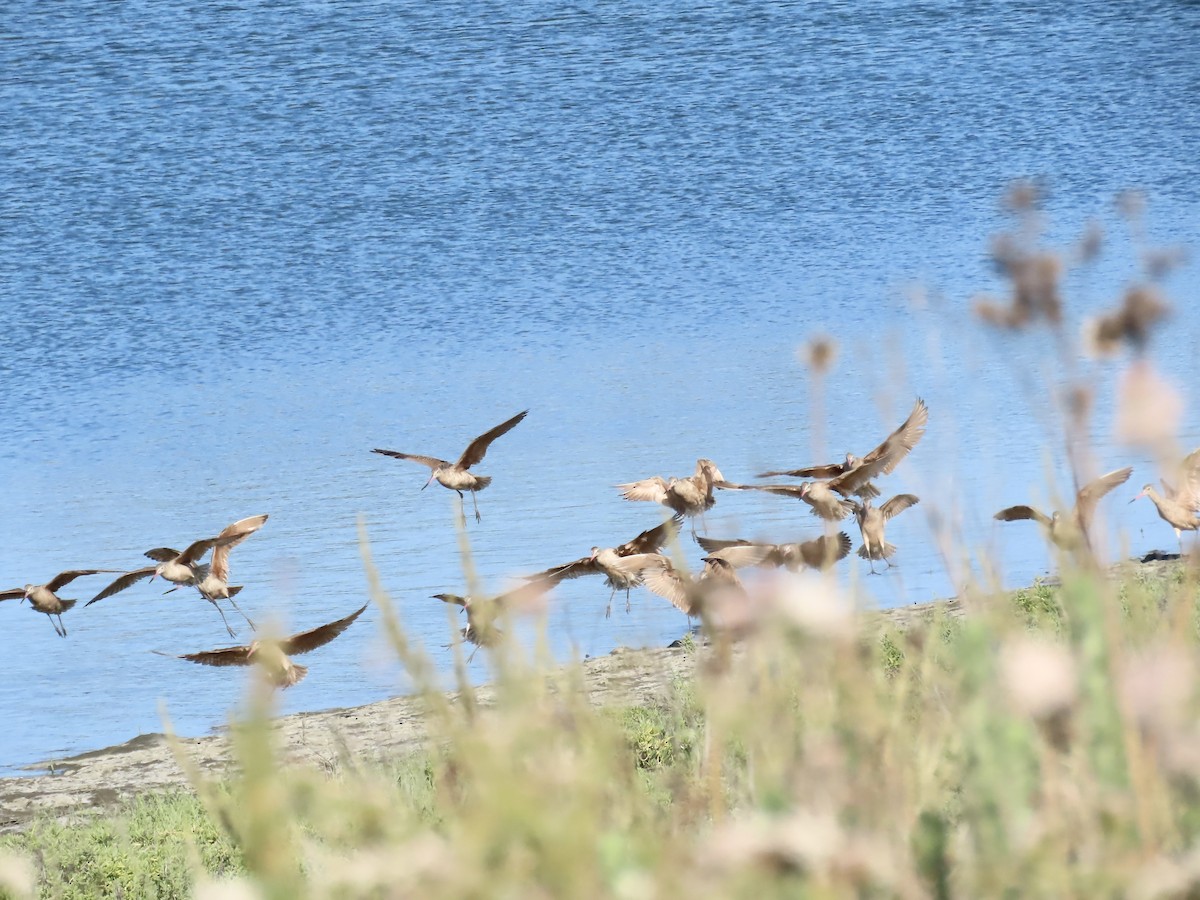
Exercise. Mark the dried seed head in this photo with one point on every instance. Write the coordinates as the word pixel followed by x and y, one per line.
pixel 814 605
pixel 1160 263
pixel 819 354
pixel 1156 686
pixel 1039 676
pixel 1141 308
pixel 1080 399
pixel 1091 242
pixel 1149 408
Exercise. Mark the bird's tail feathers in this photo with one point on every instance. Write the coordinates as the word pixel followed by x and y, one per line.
pixel 873 553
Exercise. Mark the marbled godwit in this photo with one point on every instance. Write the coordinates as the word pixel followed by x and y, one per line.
pixel 1179 506
pixel 689 497
pixel 184 568
pixel 819 553
pixel 691 595
pixel 872 523
pixel 817 494
pixel 44 598
pixel 273 656
pixel 483 612
pixel 215 585
pixel 855 474
pixel 622 566
pixel 1069 531
pixel 455 475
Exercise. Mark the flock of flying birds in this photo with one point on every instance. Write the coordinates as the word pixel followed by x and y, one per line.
pixel 833 492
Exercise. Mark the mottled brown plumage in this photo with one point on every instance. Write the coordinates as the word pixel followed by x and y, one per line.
pixel 44 598
pixel 872 523
pixel 1178 506
pixel 274 656
pixel 621 566
pixel 688 497
pixel 854 475
pixel 454 475
pixel 819 553
pixel 1070 531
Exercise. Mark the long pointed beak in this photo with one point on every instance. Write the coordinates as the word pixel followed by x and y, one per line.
pixel 428 483
pixel 1138 497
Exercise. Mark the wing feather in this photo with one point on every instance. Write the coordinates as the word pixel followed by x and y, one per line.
pixel 432 461
pixel 825 550
pixel 1089 495
pixel 13 594
pixel 478 447
pixel 226 656
pixel 124 581
pixel 65 578
pixel 1016 513
pixel 161 554
pixel 900 442
pixel 830 471
pixel 653 489
pixel 652 539
pixel 319 636
pixel 898 504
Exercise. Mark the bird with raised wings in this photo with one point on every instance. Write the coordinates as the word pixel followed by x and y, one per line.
pixel 872 523
pixel 215 585
pixel 455 475
pixel 1069 531
pixel 855 474
pixel 1178 506
pixel 693 596
pixel 484 611
pixel 818 553
pixel 274 657
pixel 185 568
pixel 688 497
pixel 823 501
pixel 621 566
pixel 44 598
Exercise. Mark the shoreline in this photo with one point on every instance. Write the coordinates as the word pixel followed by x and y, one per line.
pixel 98 780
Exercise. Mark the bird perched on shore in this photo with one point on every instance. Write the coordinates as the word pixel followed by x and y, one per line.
pixel 454 475
pixel 824 501
pixel 44 598
pixel 483 612
pixel 273 657
pixel 621 566
pixel 854 475
pixel 688 497
pixel 215 585
pixel 872 523
pixel 1178 506
pixel 819 553
pixel 1070 531
pixel 185 568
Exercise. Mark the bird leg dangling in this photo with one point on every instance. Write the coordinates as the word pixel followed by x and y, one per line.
pixel 475 503
pixel 216 605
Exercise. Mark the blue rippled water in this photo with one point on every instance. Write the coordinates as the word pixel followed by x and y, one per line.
pixel 243 244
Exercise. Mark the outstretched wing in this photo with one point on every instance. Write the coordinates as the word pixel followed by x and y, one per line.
pixel 126 580
pixel 65 578
pixel 898 504
pixel 825 550
pixel 320 636
pixel 783 490
pixel 230 537
pixel 830 471
pixel 667 582
pixel 652 539
pixel 1089 495
pixel 740 553
pixel 900 442
pixel 1188 494
pixel 478 447
pixel 1016 513
pixel 652 489
pixel 432 461
pixel 226 656
pixel 161 554
pixel 14 594
pixel 195 550
pixel 585 565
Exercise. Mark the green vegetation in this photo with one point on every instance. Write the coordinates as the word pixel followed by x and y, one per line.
pixel 1043 745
